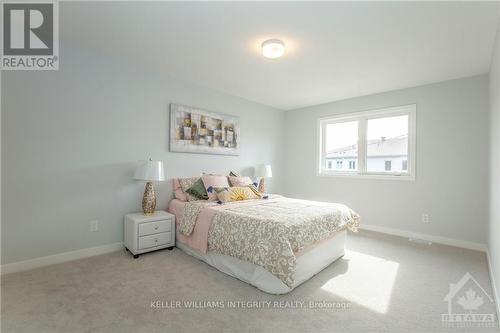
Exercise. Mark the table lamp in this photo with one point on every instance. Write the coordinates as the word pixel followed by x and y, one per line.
pixel 263 171
pixel 150 171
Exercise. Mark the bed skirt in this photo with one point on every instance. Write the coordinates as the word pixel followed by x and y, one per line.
pixel 308 264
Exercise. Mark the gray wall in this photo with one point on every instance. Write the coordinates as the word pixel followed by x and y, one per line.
pixel 494 223
pixel 452 162
pixel 71 138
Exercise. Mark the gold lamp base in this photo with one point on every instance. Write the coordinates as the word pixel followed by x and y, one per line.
pixel 149 199
pixel 262 186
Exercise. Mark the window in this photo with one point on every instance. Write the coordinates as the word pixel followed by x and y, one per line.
pixel 386 140
pixel 376 144
pixel 329 164
pixel 337 137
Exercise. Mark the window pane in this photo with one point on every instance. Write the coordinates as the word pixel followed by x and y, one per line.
pixel 387 144
pixel 341 146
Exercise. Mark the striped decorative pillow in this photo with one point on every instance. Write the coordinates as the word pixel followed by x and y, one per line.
pixel 235 193
pixel 213 181
pixel 252 185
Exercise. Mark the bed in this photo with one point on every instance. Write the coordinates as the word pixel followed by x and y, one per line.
pixel 274 244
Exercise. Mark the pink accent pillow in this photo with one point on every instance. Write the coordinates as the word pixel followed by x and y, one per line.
pixel 240 181
pixel 178 192
pixel 212 181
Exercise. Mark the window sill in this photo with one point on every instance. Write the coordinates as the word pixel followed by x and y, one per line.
pixel 366 176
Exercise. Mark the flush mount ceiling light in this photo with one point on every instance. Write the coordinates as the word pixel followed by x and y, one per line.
pixel 273 48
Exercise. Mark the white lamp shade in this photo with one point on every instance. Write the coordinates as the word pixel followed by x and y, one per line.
pixel 150 171
pixel 263 170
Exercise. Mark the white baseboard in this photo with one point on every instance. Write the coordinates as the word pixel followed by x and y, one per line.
pixel 426 237
pixel 445 241
pixel 59 258
pixel 93 251
pixel 493 284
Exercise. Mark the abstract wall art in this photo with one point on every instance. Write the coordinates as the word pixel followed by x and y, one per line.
pixel 194 130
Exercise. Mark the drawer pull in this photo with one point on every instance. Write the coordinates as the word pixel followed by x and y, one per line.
pixel 156 240
pixel 155 227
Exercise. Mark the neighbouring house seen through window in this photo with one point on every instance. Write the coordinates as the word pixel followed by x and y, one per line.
pixel 388 165
pixel 372 143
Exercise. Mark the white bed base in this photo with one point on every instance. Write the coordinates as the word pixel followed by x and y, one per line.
pixel 308 264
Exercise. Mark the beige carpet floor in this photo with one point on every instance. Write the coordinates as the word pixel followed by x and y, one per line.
pixel 384 283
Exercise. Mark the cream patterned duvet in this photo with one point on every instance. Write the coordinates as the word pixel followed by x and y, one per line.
pixel 269 232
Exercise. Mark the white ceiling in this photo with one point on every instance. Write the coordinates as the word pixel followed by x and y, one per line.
pixel 335 50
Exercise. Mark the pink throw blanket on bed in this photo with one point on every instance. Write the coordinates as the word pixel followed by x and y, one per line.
pixel 198 239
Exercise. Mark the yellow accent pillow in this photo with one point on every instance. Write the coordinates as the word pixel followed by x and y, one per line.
pixel 236 193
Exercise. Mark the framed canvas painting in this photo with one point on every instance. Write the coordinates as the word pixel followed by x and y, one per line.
pixel 194 130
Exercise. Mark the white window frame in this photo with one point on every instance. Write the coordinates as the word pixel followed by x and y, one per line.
pixel 362 118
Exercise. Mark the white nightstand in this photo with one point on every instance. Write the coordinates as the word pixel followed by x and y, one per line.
pixel 149 233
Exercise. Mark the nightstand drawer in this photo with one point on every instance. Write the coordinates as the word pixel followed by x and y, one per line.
pixel 156 227
pixel 155 240
pixel 145 233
